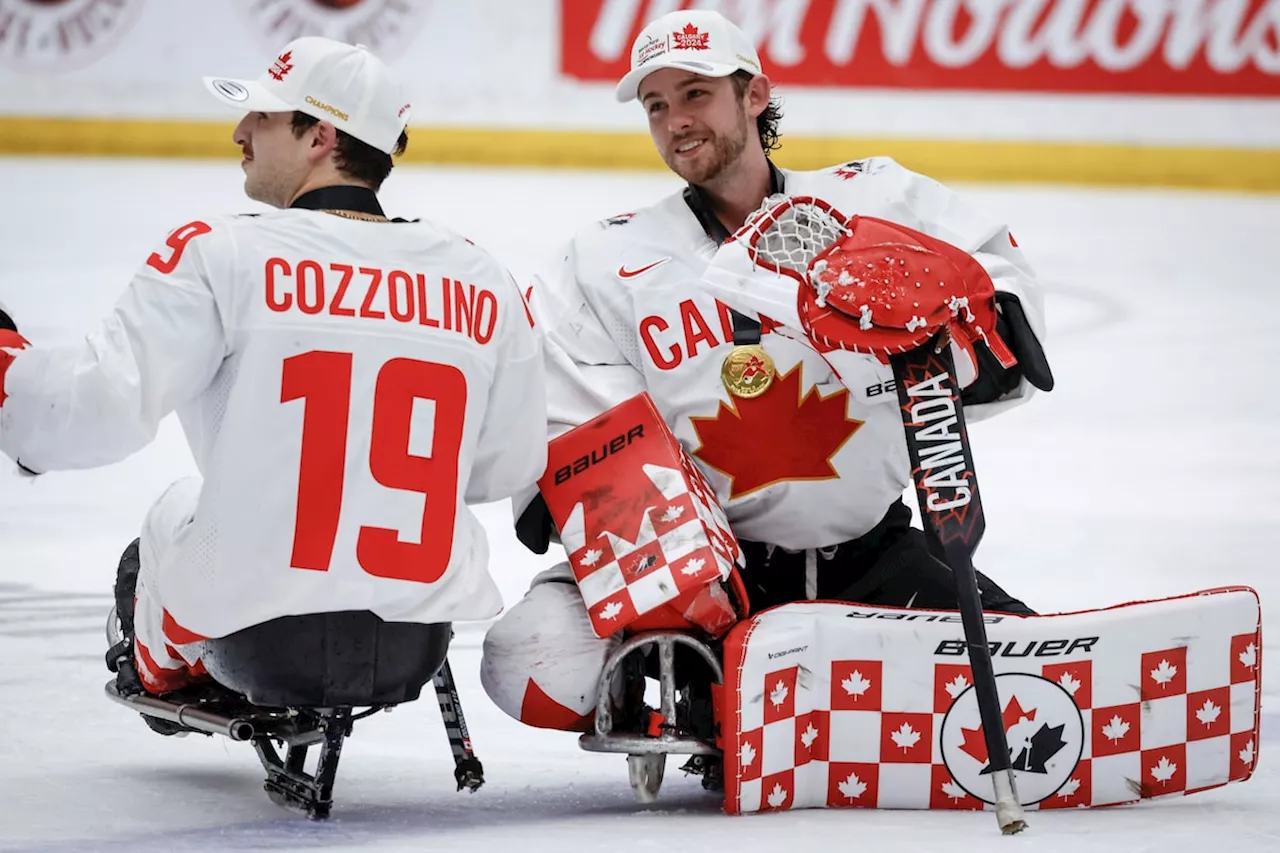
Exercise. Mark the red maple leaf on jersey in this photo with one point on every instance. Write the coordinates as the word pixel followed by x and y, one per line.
pixel 975 743
pixel 777 436
pixel 691 38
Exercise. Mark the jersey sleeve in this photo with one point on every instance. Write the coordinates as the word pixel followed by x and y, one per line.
pixel 102 399
pixel 512 450
pixel 587 370
pixel 587 344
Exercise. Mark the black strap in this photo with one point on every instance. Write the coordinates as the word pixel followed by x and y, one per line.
pixel 745 330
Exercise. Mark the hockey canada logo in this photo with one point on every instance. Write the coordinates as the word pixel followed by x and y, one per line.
pixel 64 35
pixel 386 27
pixel 1044 729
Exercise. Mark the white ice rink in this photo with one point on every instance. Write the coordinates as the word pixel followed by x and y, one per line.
pixel 1151 470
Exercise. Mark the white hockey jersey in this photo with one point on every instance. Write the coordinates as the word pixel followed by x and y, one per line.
pixel 819 457
pixel 346 387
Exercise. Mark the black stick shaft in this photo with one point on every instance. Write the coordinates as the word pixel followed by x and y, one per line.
pixel 950 508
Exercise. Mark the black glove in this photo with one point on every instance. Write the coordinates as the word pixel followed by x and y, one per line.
pixel 994 381
pixel 6 322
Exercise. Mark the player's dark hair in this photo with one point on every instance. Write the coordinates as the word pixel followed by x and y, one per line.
pixel 767 121
pixel 355 159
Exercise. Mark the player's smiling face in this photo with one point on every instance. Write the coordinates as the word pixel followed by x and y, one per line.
pixel 275 162
pixel 699 124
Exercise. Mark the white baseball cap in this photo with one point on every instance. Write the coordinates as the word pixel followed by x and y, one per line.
pixel 328 80
pixel 697 40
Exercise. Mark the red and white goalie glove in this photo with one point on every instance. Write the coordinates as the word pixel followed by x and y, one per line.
pixel 872 286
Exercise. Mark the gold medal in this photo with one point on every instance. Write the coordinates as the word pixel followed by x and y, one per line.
pixel 747 371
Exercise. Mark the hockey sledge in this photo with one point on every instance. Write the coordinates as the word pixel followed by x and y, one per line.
pixel 299 682
pixel 833 705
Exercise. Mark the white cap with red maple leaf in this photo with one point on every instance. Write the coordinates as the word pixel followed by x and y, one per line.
pixel 697 40
pixel 339 83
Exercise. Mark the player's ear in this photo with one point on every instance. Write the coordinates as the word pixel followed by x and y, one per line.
pixel 757 95
pixel 324 138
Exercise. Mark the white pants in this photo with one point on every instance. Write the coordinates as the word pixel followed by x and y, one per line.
pixel 542 661
pixel 164 652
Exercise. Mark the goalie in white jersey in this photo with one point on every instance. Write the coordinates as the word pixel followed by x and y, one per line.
pixel 811 470
pixel 347 382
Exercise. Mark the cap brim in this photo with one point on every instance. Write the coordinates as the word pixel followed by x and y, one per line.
pixel 247 95
pixel 629 86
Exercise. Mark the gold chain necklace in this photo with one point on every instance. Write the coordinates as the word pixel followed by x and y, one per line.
pixel 351 214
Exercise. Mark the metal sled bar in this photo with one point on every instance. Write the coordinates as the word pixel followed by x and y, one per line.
pixel 191 716
pixel 605 741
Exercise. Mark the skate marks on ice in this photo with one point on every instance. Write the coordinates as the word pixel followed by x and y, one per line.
pixel 27 611
pixel 417 815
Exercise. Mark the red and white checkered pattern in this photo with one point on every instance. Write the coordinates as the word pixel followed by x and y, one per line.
pixel 681 547
pixel 622 475
pixel 813 729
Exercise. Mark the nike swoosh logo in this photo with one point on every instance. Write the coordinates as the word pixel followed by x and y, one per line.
pixel 623 272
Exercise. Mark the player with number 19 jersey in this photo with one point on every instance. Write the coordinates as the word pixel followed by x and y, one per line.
pixel 347 387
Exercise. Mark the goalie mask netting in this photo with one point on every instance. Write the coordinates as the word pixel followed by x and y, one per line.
pixel 872 286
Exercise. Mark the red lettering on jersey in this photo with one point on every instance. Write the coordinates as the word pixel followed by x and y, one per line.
pixel 691 317
pixel 424 318
pixel 464 304
pixel 315 305
pixel 281 303
pixel 485 322
pixel 395 280
pixel 448 303
pixel 335 307
pixel 646 335
pixel 366 307
pixel 726 320
pixel 177 241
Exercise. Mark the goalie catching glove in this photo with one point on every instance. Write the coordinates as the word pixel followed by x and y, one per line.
pixel 876 287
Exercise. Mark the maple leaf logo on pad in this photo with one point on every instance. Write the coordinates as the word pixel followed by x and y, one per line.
pixel 1069 684
pixel 611 610
pixel 1246 754
pixel 1208 713
pixel 1116 729
pixel 747 754
pixel 777 796
pixel 1164 770
pixel 780 435
pixel 779 694
pixel 672 513
pixel 808 736
pixel 855 685
pixel 690 38
pixel 1249 657
pixel 954 791
pixel 1068 790
pixel 956 686
pixel 1164 673
pixel 905 737
pixel 853 787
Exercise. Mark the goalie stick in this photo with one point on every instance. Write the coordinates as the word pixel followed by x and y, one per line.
pixel 953 524
pixel 856 278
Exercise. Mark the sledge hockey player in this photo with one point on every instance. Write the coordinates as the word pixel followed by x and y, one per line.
pixel 347 382
pixel 809 465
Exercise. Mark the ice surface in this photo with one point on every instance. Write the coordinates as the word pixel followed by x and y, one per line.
pixel 1151 470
